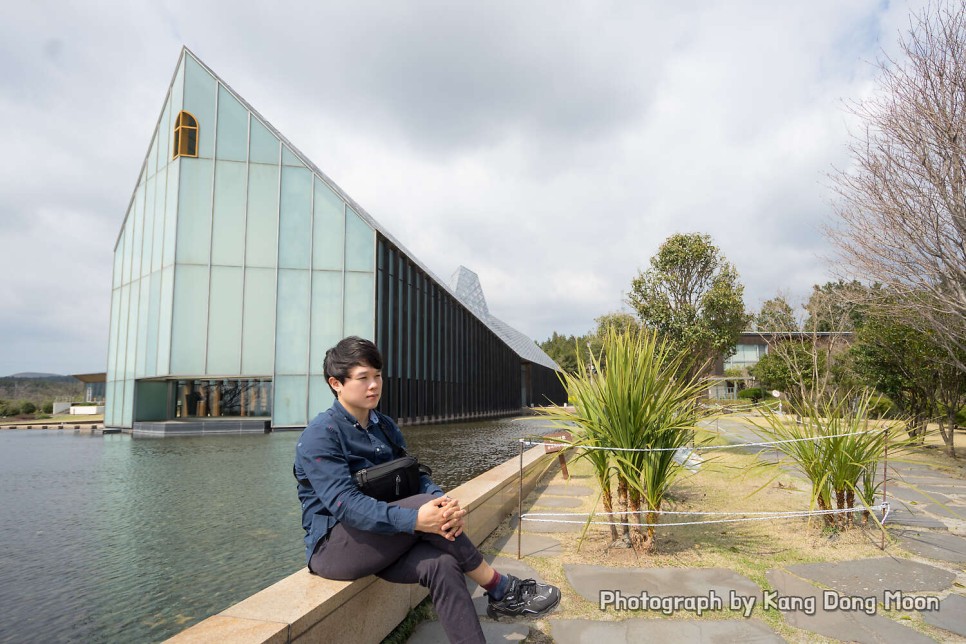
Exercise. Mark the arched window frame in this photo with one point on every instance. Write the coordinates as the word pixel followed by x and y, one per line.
pixel 185 135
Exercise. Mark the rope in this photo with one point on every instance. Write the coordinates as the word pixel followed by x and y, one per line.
pixel 771 515
pixel 697 447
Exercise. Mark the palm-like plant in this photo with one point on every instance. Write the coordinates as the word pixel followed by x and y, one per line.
pixel 633 398
pixel 837 447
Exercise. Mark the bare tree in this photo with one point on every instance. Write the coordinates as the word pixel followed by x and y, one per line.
pixel 903 201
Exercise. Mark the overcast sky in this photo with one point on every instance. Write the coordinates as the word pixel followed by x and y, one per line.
pixel 549 146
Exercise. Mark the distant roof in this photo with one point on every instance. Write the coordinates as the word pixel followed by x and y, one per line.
pixel 90 377
pixel 466 285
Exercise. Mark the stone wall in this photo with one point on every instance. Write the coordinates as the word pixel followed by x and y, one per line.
pixel 305 608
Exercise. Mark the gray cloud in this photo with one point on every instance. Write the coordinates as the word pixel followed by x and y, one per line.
pixel 550 147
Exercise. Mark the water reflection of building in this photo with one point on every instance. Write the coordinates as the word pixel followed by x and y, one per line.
pixel 239 263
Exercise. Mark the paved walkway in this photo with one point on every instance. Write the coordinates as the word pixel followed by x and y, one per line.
pixel 842 601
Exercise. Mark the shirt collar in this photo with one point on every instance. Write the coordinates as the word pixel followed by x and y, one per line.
pixel 373 416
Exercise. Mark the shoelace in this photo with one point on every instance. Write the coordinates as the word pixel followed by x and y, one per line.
pixel 526 587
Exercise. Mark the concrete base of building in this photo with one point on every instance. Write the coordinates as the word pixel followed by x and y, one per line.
pixel 202 427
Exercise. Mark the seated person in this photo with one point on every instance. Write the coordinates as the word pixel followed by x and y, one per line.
pixel 417 539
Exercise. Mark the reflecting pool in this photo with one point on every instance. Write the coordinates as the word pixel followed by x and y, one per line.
pixel 109 538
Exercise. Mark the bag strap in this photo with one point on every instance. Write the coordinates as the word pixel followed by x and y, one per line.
pixel 392 444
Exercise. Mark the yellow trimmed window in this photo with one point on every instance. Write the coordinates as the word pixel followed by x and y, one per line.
pixel 185 136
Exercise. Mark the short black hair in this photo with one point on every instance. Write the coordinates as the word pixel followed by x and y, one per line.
pixel 348 353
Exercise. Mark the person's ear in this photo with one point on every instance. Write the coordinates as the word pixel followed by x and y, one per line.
pixel 335 384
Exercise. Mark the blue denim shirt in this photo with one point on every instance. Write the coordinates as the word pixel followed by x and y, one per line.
pixel 331 449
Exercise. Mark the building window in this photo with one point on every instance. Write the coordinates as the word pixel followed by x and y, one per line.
pixel 185 136
pixel 219 398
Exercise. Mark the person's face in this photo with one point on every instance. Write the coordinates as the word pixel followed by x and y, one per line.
pixel 361 390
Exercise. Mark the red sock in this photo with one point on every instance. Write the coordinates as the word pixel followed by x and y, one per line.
pixel 494 582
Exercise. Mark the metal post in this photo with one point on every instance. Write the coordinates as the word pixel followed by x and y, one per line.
pixel 520 505
pixel 885 482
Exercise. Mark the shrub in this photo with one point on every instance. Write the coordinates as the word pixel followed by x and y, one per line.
pixel 882 407
pixel 751 393
pixel 48 407
pixel 27 407
pixel 633 399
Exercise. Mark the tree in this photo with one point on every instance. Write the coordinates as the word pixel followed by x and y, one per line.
pixel 776 315
pixel 903 198
pixel 691 296
pixel 909 367
pixel 835 307
pixel 563 350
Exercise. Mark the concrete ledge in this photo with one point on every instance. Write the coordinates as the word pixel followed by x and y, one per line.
pixel 306 608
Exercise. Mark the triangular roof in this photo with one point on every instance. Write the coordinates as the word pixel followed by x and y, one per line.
pixel 521 348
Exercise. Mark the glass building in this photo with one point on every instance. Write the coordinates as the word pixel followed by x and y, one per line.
pixel 239 263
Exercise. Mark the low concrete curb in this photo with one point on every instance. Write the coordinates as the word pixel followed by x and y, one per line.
pixel 306 608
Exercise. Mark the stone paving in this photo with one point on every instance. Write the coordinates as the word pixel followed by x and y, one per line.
pixel 928 519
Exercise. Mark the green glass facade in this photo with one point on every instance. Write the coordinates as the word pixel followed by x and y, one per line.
pixel 234 271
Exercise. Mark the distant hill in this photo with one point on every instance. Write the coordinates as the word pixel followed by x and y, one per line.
pixel 33 374
pixel 40 388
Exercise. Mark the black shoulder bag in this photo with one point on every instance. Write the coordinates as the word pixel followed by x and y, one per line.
pixel 394 480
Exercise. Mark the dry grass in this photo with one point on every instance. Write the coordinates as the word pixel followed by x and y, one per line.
pixel 728 482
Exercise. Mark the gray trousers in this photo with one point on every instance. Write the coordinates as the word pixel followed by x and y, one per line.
pixel 427 559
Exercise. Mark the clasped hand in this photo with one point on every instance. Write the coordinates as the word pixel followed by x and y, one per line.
pixel 442 516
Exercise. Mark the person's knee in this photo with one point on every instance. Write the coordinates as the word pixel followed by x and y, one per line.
pixel 441 567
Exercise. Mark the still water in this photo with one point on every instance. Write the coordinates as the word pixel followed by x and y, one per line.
pixel 114 539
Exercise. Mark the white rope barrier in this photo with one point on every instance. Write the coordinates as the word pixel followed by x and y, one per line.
pixel 742 516
pixel 529 443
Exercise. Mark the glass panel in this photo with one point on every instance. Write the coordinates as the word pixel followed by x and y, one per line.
pixel 292 322
pixel 109 404
pixel 329 235
pixel 258 342
pixel 360 304
pixel 224 321
pixel 153 156
pixel 232 128
pixel 215 398
pixel 127 416
pixel 260 247
pixel 320 396
pixel 164 321
pixel 263 145
pixel 360 241
pixel 112 334
pixel 189 320
pixel 157 234
pixel 137 237
pixel 326 316
pixel 291 394
pixel 127 244
pixel 164 135
pixel 120 358
pixel 289 158
pixel 295 218
pixel 131 350
pixel 194 211
pixel 143 298
pixel 148 233
pixel 171 213
pixel 228 242
pixel 177 98
pixel 199 101
pixel 118 260
pixel 154 310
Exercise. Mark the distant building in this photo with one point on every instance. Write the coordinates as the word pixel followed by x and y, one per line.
pixel 239 263
pixel 730 375
pixel 95 386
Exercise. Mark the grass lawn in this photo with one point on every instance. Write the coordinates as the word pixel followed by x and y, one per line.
pixel 67 419
pixel 727 481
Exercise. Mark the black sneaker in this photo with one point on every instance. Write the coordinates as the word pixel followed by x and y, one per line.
pixel 524 597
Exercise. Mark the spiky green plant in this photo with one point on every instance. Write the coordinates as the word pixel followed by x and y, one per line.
pixel 633 398
pixel 837 447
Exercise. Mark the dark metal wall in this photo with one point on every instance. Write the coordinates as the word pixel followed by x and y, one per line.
pixel 441 362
